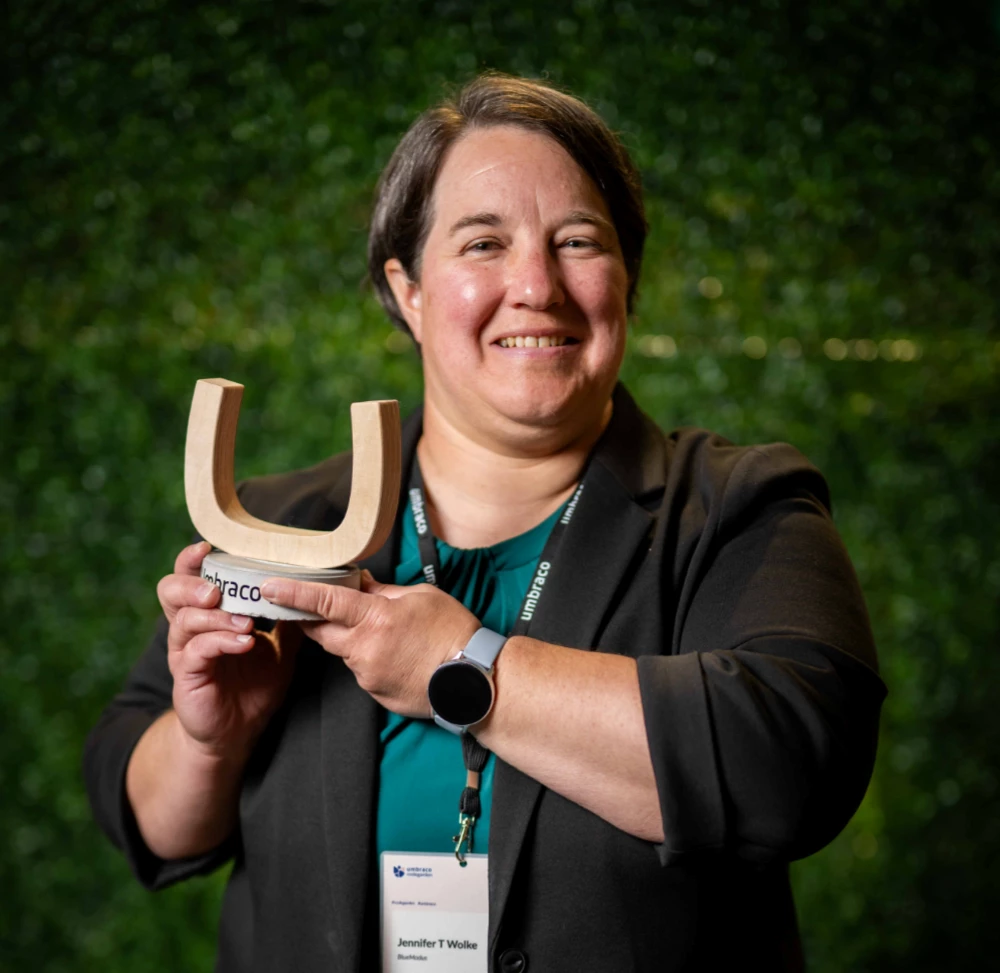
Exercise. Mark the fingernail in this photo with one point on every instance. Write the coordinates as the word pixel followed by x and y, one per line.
pixel 240 621
pixel 244 638
pixel 270 590
pixel 205 590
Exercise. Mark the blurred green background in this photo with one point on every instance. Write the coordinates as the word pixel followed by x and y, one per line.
pixel 184 192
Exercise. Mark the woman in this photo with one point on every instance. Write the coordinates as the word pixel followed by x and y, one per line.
pixel 688 698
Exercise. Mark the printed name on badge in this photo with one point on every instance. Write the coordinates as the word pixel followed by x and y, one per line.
pixel 435 913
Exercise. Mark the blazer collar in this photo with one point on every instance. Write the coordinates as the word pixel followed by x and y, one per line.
pixel 633 448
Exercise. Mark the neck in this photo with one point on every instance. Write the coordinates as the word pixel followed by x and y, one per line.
pixel 479 494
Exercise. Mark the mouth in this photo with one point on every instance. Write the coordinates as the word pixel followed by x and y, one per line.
pixel 536 341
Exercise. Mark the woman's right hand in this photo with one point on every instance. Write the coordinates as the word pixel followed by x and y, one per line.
pixel 228 679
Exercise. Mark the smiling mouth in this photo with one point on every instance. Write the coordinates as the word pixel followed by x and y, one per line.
pixel 531 341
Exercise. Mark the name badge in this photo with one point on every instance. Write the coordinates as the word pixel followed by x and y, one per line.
pixel 435 913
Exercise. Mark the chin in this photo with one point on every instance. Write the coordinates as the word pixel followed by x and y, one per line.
pixel 546 410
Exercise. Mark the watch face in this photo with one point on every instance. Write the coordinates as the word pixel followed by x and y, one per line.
pixel 460 692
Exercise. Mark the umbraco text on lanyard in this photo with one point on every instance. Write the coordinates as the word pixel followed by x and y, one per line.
pixel 474 754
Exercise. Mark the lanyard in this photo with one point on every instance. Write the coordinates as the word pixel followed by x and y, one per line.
pixel 474 754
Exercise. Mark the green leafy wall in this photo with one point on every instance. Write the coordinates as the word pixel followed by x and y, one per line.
pixel 184 192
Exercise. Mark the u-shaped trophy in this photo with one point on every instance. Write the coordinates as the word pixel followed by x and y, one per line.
pixel 248 550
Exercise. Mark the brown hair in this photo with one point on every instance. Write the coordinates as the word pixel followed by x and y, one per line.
pixel 402 214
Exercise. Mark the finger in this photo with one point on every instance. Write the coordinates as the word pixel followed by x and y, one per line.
pixel 189 560
pixel 175 591
pixel 192 621
pixel 333 602
pixel 204 650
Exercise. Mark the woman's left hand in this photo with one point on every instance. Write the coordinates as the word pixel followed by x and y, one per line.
pixel 391 637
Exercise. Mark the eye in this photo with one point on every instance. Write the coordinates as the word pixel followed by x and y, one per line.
pixel 580 243
pixel 482 246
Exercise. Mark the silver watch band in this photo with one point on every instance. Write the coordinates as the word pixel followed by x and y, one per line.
pixel 484 647
pixel 450 727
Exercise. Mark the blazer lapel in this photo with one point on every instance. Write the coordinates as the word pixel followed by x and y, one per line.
pixel 596 557
pixel 349 746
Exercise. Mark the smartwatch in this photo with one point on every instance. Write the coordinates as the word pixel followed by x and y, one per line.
pixel 461 690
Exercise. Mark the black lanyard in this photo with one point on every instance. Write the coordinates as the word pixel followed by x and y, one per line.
pixel 474 754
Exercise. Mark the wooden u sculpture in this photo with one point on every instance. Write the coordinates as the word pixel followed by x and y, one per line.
pixel 249 550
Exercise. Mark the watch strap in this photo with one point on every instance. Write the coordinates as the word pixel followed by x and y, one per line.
pixel 484 647
pixel 450 727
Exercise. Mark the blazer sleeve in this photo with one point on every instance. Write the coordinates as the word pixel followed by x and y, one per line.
pixel 147 693
pixel 304 498
pixel 762 716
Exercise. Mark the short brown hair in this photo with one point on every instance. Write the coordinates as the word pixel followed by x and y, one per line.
pixel 401 218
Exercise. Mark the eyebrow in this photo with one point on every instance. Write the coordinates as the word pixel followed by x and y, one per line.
pixel 492 219
pixel 476 219
pixel 581 216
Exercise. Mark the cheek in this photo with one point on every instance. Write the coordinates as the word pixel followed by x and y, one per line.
pixel 460 299
pixel 601 296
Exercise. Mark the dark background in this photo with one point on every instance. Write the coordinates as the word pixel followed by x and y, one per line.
pixel 184 192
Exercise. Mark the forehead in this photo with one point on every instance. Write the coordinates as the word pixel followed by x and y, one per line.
pixel 507 166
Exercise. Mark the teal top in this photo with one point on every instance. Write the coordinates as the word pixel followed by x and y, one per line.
pixel 421 770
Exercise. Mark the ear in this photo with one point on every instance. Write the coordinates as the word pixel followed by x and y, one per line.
pixel 407 294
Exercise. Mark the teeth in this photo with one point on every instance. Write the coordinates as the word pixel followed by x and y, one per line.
pixel 530 341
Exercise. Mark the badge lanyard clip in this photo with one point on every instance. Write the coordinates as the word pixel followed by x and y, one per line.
pixel 469 807
pixel 466 823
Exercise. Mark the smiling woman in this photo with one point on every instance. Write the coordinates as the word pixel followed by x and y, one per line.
pixel 540 269
pixel 649 652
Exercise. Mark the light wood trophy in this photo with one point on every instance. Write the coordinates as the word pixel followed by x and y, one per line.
pixel 249 550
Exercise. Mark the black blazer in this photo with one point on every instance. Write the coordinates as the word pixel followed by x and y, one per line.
pixel 717 568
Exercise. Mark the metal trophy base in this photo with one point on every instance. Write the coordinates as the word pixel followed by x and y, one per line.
pixel 240 578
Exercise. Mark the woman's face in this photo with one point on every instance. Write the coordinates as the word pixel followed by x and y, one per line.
pixel 520 307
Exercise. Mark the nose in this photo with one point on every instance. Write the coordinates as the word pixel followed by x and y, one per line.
pixel 534 279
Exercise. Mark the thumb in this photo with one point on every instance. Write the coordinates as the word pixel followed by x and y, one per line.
pixel 370 586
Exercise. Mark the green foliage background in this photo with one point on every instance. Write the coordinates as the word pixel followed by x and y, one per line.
pixel 184 193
